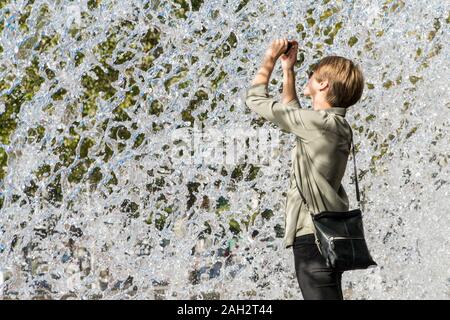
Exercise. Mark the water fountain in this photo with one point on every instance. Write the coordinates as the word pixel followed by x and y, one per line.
pixel 130 167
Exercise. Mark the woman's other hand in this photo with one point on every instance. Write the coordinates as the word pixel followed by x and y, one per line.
pixel 289 59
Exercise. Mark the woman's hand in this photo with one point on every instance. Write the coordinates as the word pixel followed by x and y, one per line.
pixel 276 49
pixel 288 60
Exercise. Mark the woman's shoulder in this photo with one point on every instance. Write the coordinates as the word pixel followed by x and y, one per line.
pixel 338 125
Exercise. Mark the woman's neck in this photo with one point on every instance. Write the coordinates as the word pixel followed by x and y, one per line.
pixel 319 103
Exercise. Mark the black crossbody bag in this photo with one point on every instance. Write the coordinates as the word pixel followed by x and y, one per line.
pixel 340 235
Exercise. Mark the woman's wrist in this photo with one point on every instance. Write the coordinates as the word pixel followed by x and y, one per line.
pixel 288 72
pixel 269 62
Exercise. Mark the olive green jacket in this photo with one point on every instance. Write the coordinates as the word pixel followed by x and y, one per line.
pixel 319 158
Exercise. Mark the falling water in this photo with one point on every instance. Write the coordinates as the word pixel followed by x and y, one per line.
pixel 113 183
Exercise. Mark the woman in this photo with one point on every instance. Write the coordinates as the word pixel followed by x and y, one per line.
pixel 320 156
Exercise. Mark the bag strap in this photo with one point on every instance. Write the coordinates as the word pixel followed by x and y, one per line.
pixel 356 175
pixel 356 178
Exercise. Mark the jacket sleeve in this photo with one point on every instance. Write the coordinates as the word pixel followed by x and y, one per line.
pixel 289 116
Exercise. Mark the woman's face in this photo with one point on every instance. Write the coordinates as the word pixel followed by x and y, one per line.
pixel 313 86
pixel 310 87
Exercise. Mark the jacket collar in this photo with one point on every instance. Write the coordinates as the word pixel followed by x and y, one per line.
pixel 337 110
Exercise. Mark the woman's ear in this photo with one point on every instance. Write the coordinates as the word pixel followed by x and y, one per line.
pixel 323 84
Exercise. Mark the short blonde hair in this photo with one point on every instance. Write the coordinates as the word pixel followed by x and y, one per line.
pixel 345 78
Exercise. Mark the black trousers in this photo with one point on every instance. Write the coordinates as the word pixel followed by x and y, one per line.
pixel 316 280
